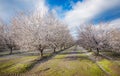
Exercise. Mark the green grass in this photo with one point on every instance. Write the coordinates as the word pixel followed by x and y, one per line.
pixel 18 65
pixel 64 64
pixel 110 67
pixel 106 64
pixel 60 65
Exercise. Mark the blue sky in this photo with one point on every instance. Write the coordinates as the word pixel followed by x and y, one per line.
pixel 8 8
pixel 65 4
pixel 73 12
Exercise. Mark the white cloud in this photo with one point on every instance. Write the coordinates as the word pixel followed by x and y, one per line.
pixel 115 23
pixel 110 25
pixel 83 12
pixel 8 9
pixel 41 7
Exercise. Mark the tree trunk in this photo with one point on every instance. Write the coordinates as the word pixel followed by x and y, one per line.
pixel 90 49
pixel 41 52
pixel 54 50
pixel 97 51
pixel 11 49
pixel 61 48
pixel 64 47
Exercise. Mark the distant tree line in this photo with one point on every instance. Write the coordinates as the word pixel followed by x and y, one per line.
pixel 103 37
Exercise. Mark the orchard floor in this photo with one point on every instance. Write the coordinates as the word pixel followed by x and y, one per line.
pixel 74 61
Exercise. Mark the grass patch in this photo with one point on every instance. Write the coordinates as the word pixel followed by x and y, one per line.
pixel 66 63
pixel 62 65
pixel 70 68
pixel 19 66
pixel 106 64
pixel 110 67
pixel 6 64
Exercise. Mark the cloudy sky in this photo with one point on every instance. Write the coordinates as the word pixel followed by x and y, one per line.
pixel 73 12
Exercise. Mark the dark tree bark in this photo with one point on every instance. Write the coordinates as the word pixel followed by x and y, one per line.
pixel 11 50
pixel 97 51
pixel 60 48
pixel 41 52
pixel 64 47
pixel 54 50
pixel 90 49
pixel 96 45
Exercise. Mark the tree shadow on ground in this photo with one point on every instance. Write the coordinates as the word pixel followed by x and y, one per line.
pixel 114 56
pixel 73 52
pixel 1 55
pixel 73 58
pixel 44 59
